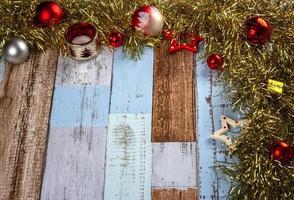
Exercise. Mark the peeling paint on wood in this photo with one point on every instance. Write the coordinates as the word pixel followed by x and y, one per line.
pixel 129 150
pixel 174 99
pixel 174 164
pixel 174 194
pixel 211 105
pixel 94 72
pixel 132 83
pixel 24 117
pixel 128 164
pixel 75 164
pixel 76 149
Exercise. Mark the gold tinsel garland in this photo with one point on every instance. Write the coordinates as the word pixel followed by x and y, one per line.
pixel 246 69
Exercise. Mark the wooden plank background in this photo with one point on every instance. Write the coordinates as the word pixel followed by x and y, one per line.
pixel 174 99
pixel 129 150
pixel 24 116
pixel 76 150
pixel 174 194
pixel 103 108
pixel 212 103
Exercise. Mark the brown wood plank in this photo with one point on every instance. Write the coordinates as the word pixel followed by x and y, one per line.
pixel 24 116
pixel 173 97
pixel 174 194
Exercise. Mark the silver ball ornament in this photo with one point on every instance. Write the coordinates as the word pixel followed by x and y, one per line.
pixel 16 51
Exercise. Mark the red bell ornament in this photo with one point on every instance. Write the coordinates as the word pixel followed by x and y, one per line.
pixel 48 13
pixel 215 61
pixel 148 19
pixel 257 30
pixel 282 151
pixel 116 39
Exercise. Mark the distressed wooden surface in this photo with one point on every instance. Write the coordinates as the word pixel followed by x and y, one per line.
pixel 75 160
pixel 174 99
pixel 132 83
pixel 129 149
pixel 128 165
pixel 211 105
pixel 174 194
pixel 24 116
pixel 174 164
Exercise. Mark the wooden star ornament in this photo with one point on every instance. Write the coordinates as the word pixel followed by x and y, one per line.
pixel 219 134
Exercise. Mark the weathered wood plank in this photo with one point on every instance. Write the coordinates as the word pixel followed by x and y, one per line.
pixel 129 149
pixel 80 106
pixel 211 104
pixel 174 99
pixel 24 116
pixel 174 194
pixel 94 72
pixel 174 164
pixel 76 149
pixel 128 164
pixel 132 83
pixel 75 167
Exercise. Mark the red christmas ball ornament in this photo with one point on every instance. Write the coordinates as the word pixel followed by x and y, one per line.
pixel 148 19
pixel 215 61
pixel 282 151
pixel 48 13
pixel 116 39
pixel 258 31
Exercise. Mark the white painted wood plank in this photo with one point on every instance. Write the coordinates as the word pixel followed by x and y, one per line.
pixel 174 164
pixel 75 164
pixel 75 158
pixel 129 154
pixel 94 72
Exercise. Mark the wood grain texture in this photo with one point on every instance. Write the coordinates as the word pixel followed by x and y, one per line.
pixel 75 164
pixel 174 194
pixel 75 157
pixel 24 116
pixel 132 83
pixel 173 97
pixel 174 164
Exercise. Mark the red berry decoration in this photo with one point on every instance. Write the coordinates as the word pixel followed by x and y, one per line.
pixel 215 61
pixel 258 31
pixel 116 39
pixel 48 13
pixel 167 34
pixel 148 19
pixel 282 151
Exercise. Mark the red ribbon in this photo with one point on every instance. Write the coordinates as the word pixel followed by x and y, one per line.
pixel 192 46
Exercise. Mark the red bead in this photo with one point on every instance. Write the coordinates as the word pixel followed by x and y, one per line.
pixel 282 151
pixel 257 30
pixel 48 13
pixel 215 61
pixel 116 39
pixel 168 35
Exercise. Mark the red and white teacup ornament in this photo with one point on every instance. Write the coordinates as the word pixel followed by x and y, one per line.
pixel 82 41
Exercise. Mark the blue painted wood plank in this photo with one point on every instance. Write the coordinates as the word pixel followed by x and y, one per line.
pixel 129 157
pixel 132 83
pixel 129 149
pixel 212 103
pixel 80 106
